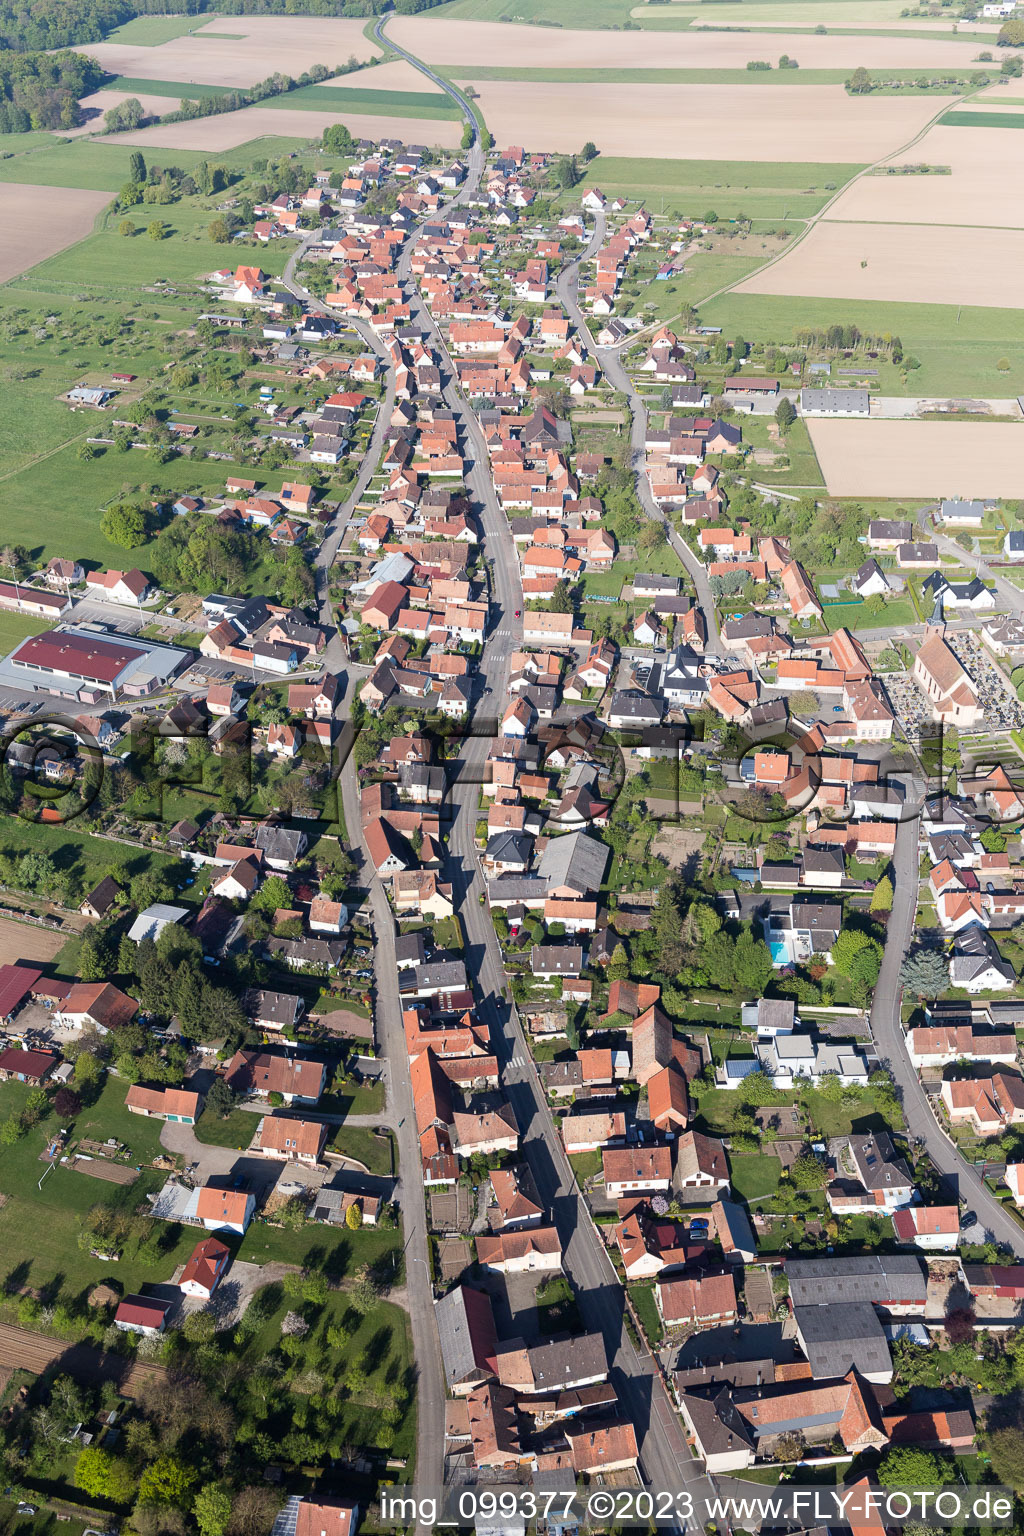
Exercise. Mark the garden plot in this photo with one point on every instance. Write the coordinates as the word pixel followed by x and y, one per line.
pixel 982 165
pixel 36 222
pixel 919 458
pixel 718 122
pixel 899 263
pixel 264 45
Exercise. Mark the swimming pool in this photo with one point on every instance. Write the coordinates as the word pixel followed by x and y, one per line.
pixel 779 953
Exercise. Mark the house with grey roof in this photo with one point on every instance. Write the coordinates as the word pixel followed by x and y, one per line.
pixel 897 1282
pixel 469 1341
pixel 551 960
pixel 835 402
pixel 573 865
pixel 282 847
pixel 843 1336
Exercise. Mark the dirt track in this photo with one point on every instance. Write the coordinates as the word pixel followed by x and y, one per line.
pixel 23 1350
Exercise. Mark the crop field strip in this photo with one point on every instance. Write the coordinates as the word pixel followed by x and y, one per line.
pixel 178 88
pixel 983 119
pixel 479 44
pixel 701 76
pixel 958 345
pixel 337 98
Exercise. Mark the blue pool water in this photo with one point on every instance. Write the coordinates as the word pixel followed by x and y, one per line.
pixel 778 950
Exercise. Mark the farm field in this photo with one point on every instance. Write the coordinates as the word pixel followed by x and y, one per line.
pixel 758 123
pixel 958 347
pixel 396 75
pixel 103 163
pixel 114 262
pixel 918 458
pixel 342 97
pixel 899 263
pixel 255 47
pixel 452 43
pixel 233 129
pixel 36 223
pixel 794 189
pixel 974 192
pixel 94 106
pixel 994 118
pixel 151 31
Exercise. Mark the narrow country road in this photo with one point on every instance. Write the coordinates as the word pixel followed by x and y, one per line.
pixel 664 1454
pixel 419 1299
pixel 890 1042
pixel 567 286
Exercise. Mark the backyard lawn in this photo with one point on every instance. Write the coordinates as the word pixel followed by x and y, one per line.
pixel 754 1178
pixel 234 1130
pixel 354 1099
pixel 39 1227
pixel 366 1147
pixel 642 1297
pixel 337 1251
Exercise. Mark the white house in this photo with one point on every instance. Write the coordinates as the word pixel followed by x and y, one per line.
pixel 934 1228
pixel 788 1058
pixel 220 1210
pixel 142 1314
pixel 528 1251
pixel 205 1268
pixel 963 514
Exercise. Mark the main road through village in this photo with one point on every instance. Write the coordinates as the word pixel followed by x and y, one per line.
pixel 665 1459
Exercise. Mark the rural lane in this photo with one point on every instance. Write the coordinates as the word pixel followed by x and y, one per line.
pixel 890 1043
pixel 567 287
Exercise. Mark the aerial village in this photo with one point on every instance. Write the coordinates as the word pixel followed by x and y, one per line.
pixel 559 881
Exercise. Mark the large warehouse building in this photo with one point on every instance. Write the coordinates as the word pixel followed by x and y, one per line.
pixel 88 668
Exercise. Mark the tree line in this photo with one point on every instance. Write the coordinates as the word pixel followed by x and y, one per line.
pixel 39 90
pixel 50 24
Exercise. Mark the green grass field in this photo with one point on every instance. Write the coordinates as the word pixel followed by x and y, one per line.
pixel 958 348
pixel 109 262
pixel 81 491
pixel 39 1227
pixel 338 1253
pixel 642 1297
pixel 151 31
pixel 15 627
pixel 365 1147
pixel 895 615
pixel 750 15
pixel 87 857
pixel 568 13
pixel 46 161
pixel 753 1178
pixel 234 1130
pixel 983 119
pixel 341 98
pixel 759 190
pixel 192 89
